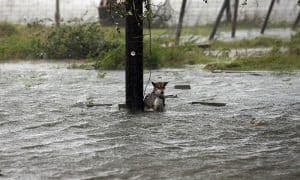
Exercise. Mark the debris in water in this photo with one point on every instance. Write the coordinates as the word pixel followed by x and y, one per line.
pixel 257 123
pixel 240 72
pixel 94 104
pixel 182 87
pixel 209 103
pixel 171 96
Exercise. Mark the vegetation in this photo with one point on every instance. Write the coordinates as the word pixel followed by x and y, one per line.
pixel 104 48
pixel 269 62
pixel 250 43
pixel 274 60
pixel 101 45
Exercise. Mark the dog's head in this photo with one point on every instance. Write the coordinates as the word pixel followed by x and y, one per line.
pixel 159 87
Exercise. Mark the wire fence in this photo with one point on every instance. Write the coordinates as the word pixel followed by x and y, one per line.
pixel 197 12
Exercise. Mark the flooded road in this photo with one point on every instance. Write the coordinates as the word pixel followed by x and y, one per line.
pixel 46 132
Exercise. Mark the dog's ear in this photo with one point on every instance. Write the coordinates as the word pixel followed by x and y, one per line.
pixel 153 83
pixel 165 83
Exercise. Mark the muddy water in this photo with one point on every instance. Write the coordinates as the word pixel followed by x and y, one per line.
pixel 46 132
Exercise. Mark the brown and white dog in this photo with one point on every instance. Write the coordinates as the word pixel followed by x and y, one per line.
pixel 155 101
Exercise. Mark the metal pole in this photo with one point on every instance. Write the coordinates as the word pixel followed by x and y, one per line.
pixel 179 26
pixel 57 13
pixel 296 21
pixel 267 17
pixel 134 55
pixel 234 22
pixel 212 35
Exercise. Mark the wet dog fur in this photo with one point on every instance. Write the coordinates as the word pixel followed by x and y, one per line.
pixel 155 101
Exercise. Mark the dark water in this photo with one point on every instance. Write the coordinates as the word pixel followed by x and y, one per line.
pixel 46 132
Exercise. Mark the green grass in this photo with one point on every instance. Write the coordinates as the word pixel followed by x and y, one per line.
pixel 275 60
pixel 15 47
pixel 275 63
pixel 250 43
pixel 158 58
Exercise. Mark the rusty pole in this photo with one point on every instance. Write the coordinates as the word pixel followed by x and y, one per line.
pixel 267 17
pixel 234 22
pixel 57 13
pixel 218 20
pixel 179 25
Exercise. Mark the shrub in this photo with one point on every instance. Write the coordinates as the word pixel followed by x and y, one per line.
pixel 7 29
pixel 113 58
pixel 75 41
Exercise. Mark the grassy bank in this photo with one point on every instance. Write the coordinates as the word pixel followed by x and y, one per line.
pixel 269 63
pixel 274 60
pixel 104 47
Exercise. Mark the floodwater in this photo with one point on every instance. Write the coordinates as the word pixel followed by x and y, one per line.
pixel 47 132
pixel 242 34
pixel 242 52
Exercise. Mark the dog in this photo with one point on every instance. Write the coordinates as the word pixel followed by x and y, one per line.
pixel 155 101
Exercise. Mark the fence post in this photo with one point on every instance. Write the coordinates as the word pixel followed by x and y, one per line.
pixel 57 13
pixel 236 7
pixel 179 25
pixel 212 35
pixel 134 55
pixel 267 17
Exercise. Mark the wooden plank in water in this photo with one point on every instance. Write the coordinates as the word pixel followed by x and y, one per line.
pixel 182 87
pixel 99 105
pixel 208 103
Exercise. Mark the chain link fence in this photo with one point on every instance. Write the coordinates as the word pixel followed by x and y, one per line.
pixel 197 12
